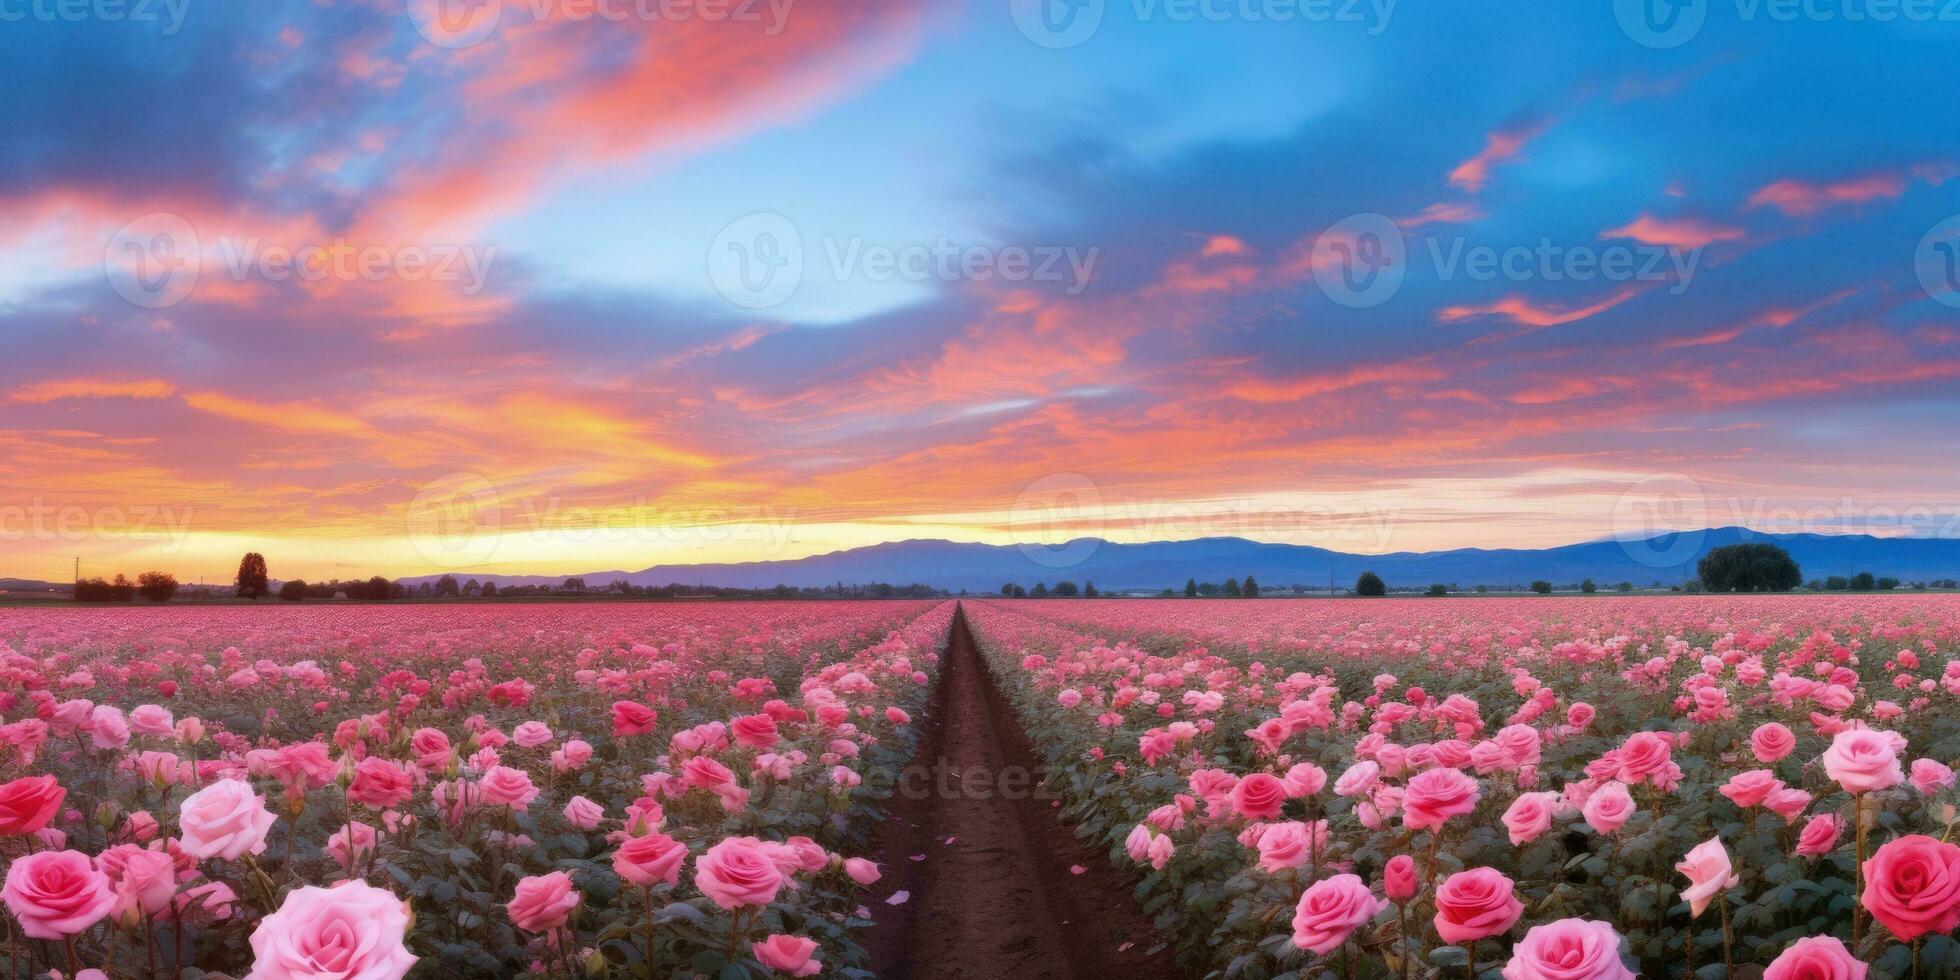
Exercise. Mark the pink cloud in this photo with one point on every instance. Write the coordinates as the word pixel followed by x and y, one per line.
pixel 1499 147
pixel 1677 232
pixel 1800 198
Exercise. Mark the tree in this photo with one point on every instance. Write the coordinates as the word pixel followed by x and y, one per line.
pixel 1754 567
pixel 575 584
pixel 1040 590
pixel 1250 588
pixel 251 582
pixel 1542 587
pixel 379 588
pixel 1232 588
pixel 1066 589
pixel 489 590
pixel 1588 587
pixel 156 586
pixel 446 587
pixel 1439 590
pixel 1483 590
pixel 1370 584
pixel 1190 588
pixel 1625 586
pixel 1887 583
pixel 1836 583
pixel 1863 582
pixel 1020 593
pixel 1089 590
pixel 1007 589
pixel 293 591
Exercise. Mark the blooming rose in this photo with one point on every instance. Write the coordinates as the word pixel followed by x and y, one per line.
pixel 531 734
pixel 793 955
pixel 143 880
pixel 56 894
pixel 1399 878
pixel 224 820
pixel 754 731
pixel 1529 816
pixel 1772 742
pixel 352 931
pixel 1259 796
pixel 1285 845
pixel 1644 756
pixel 1929 776
pixel 1330 910
pixel 28 803
pixel 507 786
pixel 1747 789
pixel 380 783
pixel 1569 949
pixel 543 903
pixel 1819 836
pixel 1863 761
pixel 649 858
pixel 1608 808
pixel 1435 795
pixel 737 872
pixel 862 871
pixel 1912 886
pixel 351 845
pixel 1816 958
pixel 1476 904
pixel 1709 874
pixel 632 718
pixel 1304 779
pixel 583 813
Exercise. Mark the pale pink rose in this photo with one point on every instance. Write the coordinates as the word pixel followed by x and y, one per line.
pixel 352 931
pixel 543 903
pixel 1358 779
pixel 531 734
pixel 1787 802
pixel 1930 776
pixel 143 880
pixel 1863 761
pixel 649 858
pixel 1286 845
pixel 152 720
pixel 583 813
pixel 505 786
pixel 1529 816
pixel 224 820
pixel 1816 958
pixel 1569 949
pixel 793 955
pixel 351 845
pixel 1709 873
pixel 737 872
pixel 107 728
pixel 861 871
pixel 1608 808
pixel 1330 910
pixel 56 894
pixel 1304 779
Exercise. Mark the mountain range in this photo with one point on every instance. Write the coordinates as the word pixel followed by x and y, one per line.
pixel 1667 559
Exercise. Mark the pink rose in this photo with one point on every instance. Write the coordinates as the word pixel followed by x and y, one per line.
pixel 1330 910
pixel 1772 742
pixel 1285 845
pixel 1569 949
pixel 754 731
pixel 1399 878
pixel 583 813
pixel 649 858
pixel 1747 789
pixel 1816 958
pixel 143 880
pixel 224 820
pixel 27 804
pixel 1304 779
pixel 1930 776
pixel 1476 904
pixel 531 734
pixel 1819 836
pixel 351 845
pixel 1912 886
pixel 56 894
pixel 1435 795
pixel 380 783
pixel 1529 816
pixel 352 930
pixel 507 786
pixel 1863 761
pixel 861 871
pixel 1645 755
pixel 632 718
pixel 793 955
pixel 1608 808
pixel 153 720
pixel 543 903
pixel 1259 796
pixel 1709 874
pixel 737 873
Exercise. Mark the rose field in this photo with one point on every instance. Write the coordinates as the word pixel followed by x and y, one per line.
pixel 1537 789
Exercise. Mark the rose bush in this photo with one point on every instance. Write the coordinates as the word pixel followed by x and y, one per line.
pixel 473 790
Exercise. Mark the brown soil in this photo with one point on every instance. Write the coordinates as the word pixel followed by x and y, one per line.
pixel 998 901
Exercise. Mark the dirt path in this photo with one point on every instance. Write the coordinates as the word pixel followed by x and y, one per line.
pixel 994 896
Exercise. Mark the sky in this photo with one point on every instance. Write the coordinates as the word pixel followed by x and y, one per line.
pixel 401 286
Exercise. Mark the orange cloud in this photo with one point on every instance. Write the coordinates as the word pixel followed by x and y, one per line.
pixel 1677 232
pixel 1500 147
pixel 42 392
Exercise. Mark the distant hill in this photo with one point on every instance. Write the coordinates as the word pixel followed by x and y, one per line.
pixel 1668 559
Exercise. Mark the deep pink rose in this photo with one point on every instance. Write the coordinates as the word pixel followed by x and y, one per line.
pixel 27 804
pixel 1816 958
pixel 1476 904
pixel 1399 878
pixel 1529 816
pixel 1259 796
pixel 380 783
pixel 649 858
pixel 543 903
pixel 56 894
pixel 632 718
pixel 1435 795
pixel 1330 910
pixel 1912 886
pixel 738 872
pixel 1819 836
